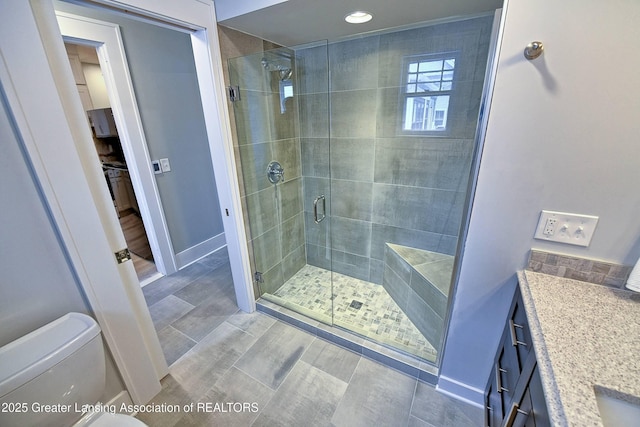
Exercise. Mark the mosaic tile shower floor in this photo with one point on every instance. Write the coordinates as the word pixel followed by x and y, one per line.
pixel 378 317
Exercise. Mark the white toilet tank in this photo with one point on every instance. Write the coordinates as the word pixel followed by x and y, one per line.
pixel 47 375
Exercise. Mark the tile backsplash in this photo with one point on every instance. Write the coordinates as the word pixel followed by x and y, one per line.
pixel 586 270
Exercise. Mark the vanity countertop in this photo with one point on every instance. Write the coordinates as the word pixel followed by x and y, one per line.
pixel 585 336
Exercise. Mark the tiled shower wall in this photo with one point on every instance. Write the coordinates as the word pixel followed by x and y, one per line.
pixel 273 214
pixel 386 186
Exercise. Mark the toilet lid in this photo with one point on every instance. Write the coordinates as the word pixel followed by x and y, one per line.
pixel 108 419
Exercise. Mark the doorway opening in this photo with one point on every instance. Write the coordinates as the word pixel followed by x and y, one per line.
pixel 93 94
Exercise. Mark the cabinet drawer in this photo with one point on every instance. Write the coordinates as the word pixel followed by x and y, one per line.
pixel 514 390
pixel 507 374
pixel 493 403
pixel 521 413
pixel 518 329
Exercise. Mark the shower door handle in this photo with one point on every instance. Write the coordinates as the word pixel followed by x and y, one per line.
pixel 315 209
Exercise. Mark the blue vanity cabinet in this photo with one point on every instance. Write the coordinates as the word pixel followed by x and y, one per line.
pixel 514 395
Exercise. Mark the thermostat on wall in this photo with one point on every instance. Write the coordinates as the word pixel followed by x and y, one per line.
pixel 156 167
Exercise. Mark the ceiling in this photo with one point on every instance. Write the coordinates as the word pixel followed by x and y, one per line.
pixel 296 22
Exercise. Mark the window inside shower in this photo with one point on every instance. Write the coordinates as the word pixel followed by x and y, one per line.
pixel 429 84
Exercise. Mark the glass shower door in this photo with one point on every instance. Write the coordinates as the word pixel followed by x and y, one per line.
pixel 284 170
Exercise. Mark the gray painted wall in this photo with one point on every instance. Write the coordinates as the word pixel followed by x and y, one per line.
pixel 581 156
pixel 164 79
pixel 37 284
pixel 386 185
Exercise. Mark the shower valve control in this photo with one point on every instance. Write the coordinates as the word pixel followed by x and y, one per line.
pixel 561 227
pixel 275 172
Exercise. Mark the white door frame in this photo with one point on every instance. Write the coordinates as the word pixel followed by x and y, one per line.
pixel 38 84
pixel 107 40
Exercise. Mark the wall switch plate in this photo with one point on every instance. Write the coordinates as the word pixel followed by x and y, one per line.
pixel 164 163
pixel 155 164
pixel 561 227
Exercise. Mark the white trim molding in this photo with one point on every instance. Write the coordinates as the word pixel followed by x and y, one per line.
pixel 461 391
pixel 202 249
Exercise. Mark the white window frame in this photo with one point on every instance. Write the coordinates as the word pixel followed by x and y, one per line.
pixel 406 95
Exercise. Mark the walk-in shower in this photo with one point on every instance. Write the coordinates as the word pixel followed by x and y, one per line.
pixel 376 138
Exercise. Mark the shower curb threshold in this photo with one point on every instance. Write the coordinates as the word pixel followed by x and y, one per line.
pixel 401 362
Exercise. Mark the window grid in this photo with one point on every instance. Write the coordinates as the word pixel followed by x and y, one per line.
pixel 428 88
pixel 430 76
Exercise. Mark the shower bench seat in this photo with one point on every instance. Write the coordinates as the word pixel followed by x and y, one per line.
pixel 418 281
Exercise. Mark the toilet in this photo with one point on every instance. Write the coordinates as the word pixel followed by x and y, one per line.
pixel 50 375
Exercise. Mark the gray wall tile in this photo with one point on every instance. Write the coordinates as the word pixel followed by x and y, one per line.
pixel 287 153
pixel 397 264
pixel 314 187
pixel 352 158
pixel 353 113
pixel 272 279
pixel 350 264
pixel 318 256
pixel 252 120
pixel 397 288
pixel 315 157
pixel 292 233
pixel 316 234
pixel 354 64
pixel 290 193
pixel 416 208
pixel 261 209
pixel 314 115
pixel 248 73
pixel 424 318
pixel 382 234
pixel 312 71
pixel 376 271
pixel 423 162
pixel 282 124
pixel 255 158
pixel 429 293
pixel 351 199
pixel 267 249
pixel 350 235
pixel 293 262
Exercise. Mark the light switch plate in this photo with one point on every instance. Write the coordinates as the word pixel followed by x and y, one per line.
pixel 155 164
pixel 561 227
pixel 164 163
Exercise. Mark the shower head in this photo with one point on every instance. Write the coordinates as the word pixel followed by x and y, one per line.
pixel 283 71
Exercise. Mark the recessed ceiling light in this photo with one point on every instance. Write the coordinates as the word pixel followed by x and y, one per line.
pixel 358 17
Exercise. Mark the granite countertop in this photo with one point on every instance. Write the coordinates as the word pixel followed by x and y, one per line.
pixel 585 337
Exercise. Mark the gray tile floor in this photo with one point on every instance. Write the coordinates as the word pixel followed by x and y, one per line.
pixel 229 368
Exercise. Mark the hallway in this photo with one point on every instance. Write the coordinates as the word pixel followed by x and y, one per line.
pixel 253 370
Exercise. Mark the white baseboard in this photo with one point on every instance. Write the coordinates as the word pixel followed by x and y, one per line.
pixel 463 392
pixel 194 253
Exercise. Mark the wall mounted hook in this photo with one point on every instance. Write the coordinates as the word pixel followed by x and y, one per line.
pixel 533 50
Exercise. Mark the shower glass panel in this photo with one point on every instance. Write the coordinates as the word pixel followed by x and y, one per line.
pixel 286 214
pixel 374 139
